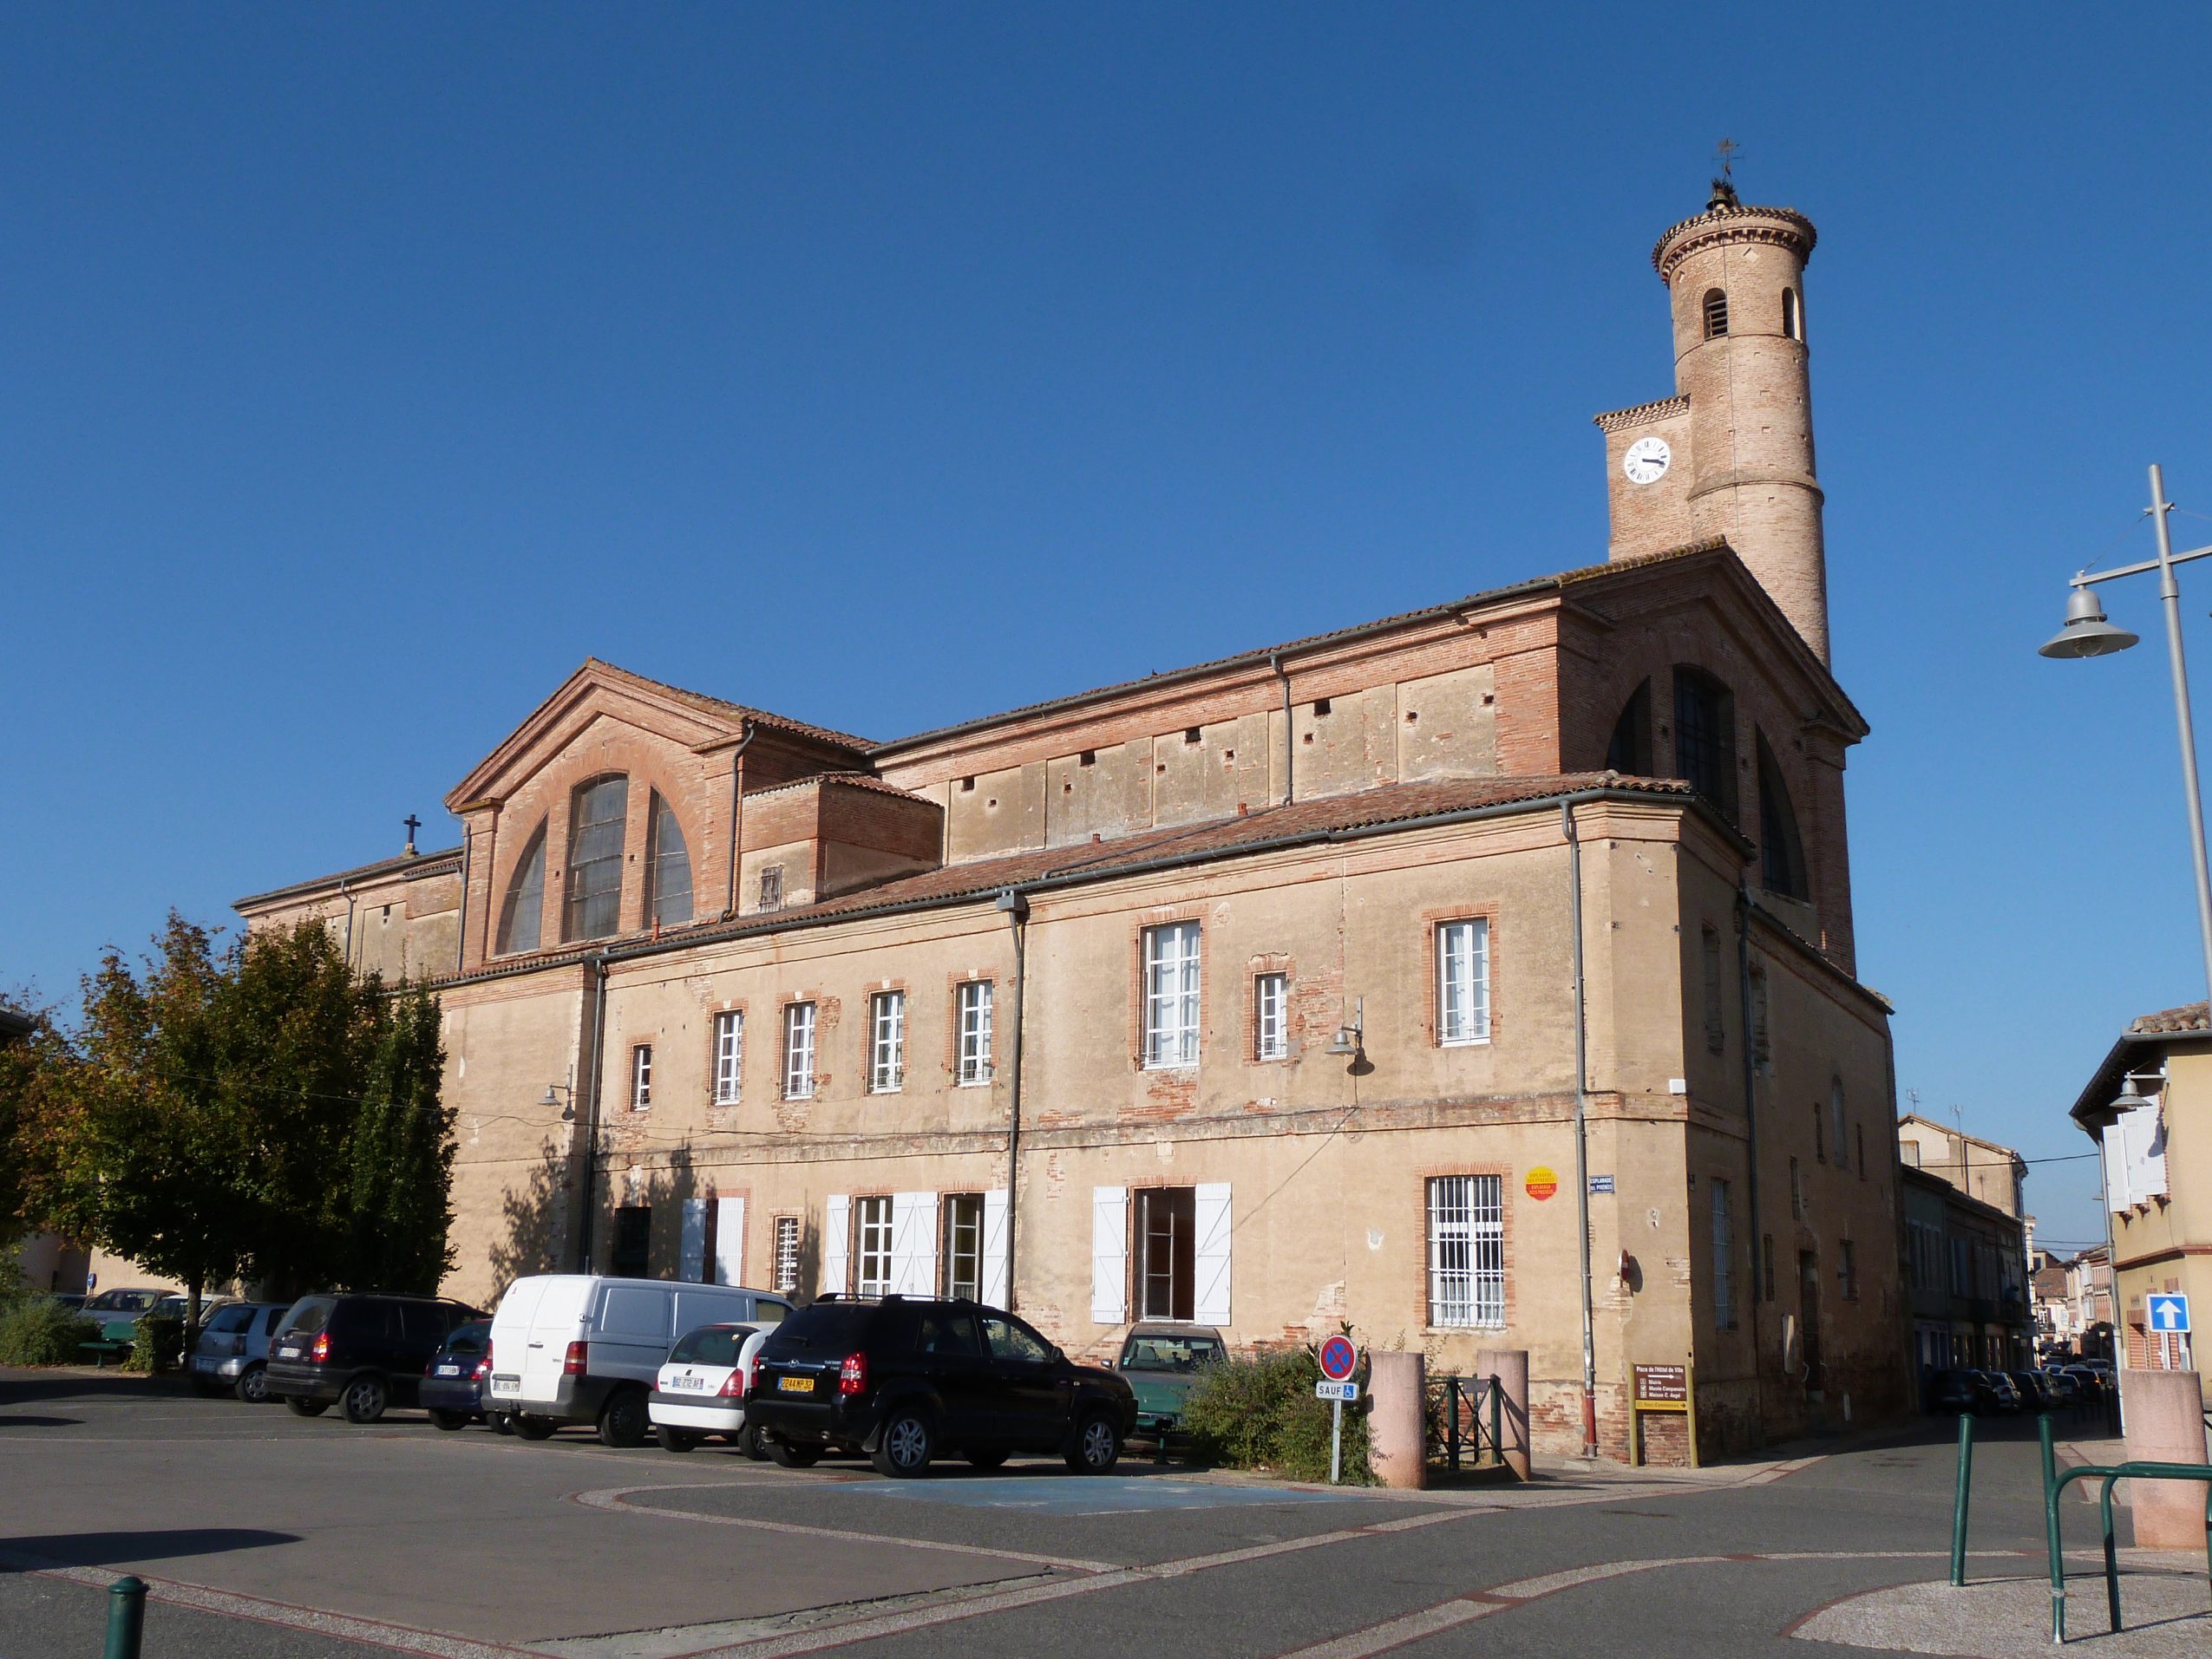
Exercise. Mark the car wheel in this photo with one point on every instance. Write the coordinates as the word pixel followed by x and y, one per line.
pixel 985 1459
pixel 252 1385
pixel 1097 1447
pixel 748 1443
pixel 674 1440
pixel 787 1456
pixel 305 1408
pixel 531 1428
pixel 450 1419
pixel 365 1398
pixel 499 1422
pixel 623 1421
pixel 903 1449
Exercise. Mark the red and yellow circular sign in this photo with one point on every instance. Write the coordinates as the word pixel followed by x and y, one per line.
pixel 1542 1182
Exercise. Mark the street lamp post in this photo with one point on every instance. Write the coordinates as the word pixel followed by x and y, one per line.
pixel 2087 634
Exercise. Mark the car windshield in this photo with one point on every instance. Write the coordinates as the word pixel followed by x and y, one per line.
pixel 840 1325
pixel 1163 1351
pixel 122 1302
pixel 471 1338
pixel 307 1315
pixel 710 1345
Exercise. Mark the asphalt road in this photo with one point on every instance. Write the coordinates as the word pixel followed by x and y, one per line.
pixel 262 1533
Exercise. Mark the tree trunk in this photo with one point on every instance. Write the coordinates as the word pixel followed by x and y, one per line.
pixel 191 1318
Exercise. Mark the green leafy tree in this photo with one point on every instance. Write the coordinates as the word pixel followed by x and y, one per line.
pixel 403 1152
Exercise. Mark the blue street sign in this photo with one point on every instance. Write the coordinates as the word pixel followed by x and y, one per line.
pixel 2168 1313
pixel 1339 1391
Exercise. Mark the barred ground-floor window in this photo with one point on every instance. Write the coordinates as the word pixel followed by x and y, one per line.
pixel 1466 1251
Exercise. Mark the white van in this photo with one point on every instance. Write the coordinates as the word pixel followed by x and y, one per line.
pixel 575 1347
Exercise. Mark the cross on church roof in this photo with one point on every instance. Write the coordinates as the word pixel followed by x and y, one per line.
pixel 413 824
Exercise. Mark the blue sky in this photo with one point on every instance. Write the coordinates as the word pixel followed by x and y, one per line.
pixel 368 368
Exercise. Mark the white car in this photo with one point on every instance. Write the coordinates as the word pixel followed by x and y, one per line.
pixel 701 1390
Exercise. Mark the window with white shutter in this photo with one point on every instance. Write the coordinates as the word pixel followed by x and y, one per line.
pixel 799 1052
pixel 886 1041
pixel 1110 1254
pixel 1171 999
pixel 871 1247
pixel 729 1054
pixel 1464 983
pixel 974 1033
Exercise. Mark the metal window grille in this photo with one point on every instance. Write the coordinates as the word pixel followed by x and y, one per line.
pixel 1171 994
pixel 595 859
pixel 729 1055
pixel 963 1245
pixel 873 1255
pixel 1724 1259
pixel 787 1254
pixel 641 1077
pixel 799 1052
pixel 1716 314
pixel 1463 981
pixel 669 877
pixel 975 1032
pixel 887 1041
pixel 1271 1011
pixel 523 913
pixel 1466 1251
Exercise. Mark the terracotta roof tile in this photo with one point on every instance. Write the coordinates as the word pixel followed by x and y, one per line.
pixel 850 780
pixel 412 864
pixel 723 705
pixel 2190 1016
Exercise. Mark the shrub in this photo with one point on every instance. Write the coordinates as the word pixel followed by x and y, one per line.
pixel 157 1343
pixel 1260 1414
pixel 36 1331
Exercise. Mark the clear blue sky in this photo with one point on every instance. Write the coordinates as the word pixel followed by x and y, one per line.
pixel 366 368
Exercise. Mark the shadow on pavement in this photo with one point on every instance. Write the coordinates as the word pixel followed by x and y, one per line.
pixel 20 1388
pixel 39 1422
pixel 99 1549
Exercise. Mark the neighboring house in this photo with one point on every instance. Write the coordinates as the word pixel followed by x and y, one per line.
pixel 1964 1278
pixel 2089 1300
pixel 1246 993
pixel 2054 1311
pixel 2149 1108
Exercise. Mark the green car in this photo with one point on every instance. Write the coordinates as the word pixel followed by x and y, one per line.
pixel 119 1311
pixel 1162 1363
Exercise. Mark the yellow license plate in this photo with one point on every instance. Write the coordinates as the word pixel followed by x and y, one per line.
pixel 795 1385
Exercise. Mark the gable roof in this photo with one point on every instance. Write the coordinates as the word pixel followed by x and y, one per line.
pixel 411 865
pixel 2164 1029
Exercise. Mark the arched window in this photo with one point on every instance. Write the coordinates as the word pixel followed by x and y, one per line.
pixel 1630 751
pixel 1716 306
pixel 1782 851
pixel 522 915
pixel 668 870
pixel 1705 737
pixel 1793 314
pixel 596 818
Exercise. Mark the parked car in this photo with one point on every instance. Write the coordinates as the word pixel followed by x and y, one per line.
pixel 2096 1386
pixel 452 1389
pixel 72 1300
pixel 2007 1390
pixel 2066 1388
pixel 234 1349
pixel 364 1353
pixel 119 1311
pixel 701 1390
pixel 1961 1390
pixel 2036 1393
pixel 1162 1363
pixel 903 1378
pixel 574 1348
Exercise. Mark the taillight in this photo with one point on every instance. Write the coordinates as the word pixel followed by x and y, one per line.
pixel 738 1384
pixel 321 1351
pixel 483 1368
pixel 852 1375
pixel 573 1365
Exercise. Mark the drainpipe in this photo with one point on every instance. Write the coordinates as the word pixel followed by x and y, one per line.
pixel 737 809
pixel 460 933
pixel 345 892
pixel 1751 1138
pixel 1290 737
pixel 1581 1134
pixel 1017 909
pixel 587 1188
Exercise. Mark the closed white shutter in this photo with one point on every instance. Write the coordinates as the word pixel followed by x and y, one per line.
pixel 1110 1254
pixel 913 1243
pixel 2146 1138
pixel 694 1264
pixel 994 1248
pixel 1210 1297
pixel 836 1243
pixel 2116 1195
pixel 730 1241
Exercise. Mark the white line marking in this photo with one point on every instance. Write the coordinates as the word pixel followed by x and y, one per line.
pixel 1396 1632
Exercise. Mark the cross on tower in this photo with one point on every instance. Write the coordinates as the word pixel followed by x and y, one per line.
pixel 413 824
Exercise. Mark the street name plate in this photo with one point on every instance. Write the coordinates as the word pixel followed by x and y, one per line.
pixel 1662 1385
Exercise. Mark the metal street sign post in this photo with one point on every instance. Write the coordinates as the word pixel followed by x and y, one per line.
pixel 1339 1359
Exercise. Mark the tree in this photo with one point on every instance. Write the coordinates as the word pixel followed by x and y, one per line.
pixel 403 1152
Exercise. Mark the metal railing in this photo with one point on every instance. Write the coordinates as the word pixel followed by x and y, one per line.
pixel 2112 1475
pixel 1465 1422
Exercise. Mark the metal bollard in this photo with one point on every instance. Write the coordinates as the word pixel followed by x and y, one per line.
pixel 126 1616
pixel 1497 1422
pixel 1959 1500
pixel 2050 1528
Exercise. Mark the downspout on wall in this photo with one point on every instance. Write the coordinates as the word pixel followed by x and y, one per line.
pixel 1751 1145
pixel 737 811
pixel 1017 909
pixel 587 1186
pixel 1581 1132
pixel 1290 737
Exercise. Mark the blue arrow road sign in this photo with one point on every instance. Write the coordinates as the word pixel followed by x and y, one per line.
pixel 2167 1312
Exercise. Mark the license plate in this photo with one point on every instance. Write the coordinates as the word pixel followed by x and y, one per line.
pixel 448 1370
pixel 795 1385
pixel 287 1353
pixel 507 1385
pixel 677 1385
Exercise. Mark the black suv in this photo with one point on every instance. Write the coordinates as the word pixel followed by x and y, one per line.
pixel 365 1351
pixel 904 1379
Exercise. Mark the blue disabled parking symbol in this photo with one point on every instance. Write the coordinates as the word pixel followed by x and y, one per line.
pixel 2166 1313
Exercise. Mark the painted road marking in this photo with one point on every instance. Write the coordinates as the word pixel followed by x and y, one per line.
pixel 1059 1496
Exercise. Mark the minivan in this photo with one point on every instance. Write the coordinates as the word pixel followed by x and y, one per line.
pixel 362 1353
pixel 577 1348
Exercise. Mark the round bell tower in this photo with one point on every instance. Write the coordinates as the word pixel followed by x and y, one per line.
pixel 1735 276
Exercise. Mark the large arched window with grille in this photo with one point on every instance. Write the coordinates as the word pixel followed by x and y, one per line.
pixel 596 820
pixel 1781 850
pixel 521 916
pixel 668 869
pixel 1705 737
pixel 1715 306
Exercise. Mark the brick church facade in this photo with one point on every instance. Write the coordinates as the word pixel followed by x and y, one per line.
pixel 1247 994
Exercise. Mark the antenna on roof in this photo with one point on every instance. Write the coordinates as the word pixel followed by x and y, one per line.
pixel 1724 188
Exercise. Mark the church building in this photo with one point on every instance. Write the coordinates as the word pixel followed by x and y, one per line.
pixel 1480 978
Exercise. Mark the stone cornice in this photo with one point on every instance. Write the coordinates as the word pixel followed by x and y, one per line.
pixel 1642 414
pixel 1773 226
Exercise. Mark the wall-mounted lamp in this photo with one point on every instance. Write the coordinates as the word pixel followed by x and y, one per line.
pixel 564 1097
pixel 1350 1040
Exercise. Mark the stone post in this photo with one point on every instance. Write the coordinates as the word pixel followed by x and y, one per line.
pixel 2165 1424
pixel 1397 1445
pixel 1511 1366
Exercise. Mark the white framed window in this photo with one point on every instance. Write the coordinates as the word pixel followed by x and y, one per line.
pixel 1271 1017
pixel 729 1054
pixel 1464 983
pixel 1724 1259
pixel 886 1041
pixel 1466 1251
pixel 799 1052
pixel 973 1013
pixel 963 1273
pixel 871 1247
pixel 787 1254
pixel 1171 995
pixel 641 1077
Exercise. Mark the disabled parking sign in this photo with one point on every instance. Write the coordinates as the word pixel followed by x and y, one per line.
pixel 2166 1313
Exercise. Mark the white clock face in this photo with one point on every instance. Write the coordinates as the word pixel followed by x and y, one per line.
pixel 1647 460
